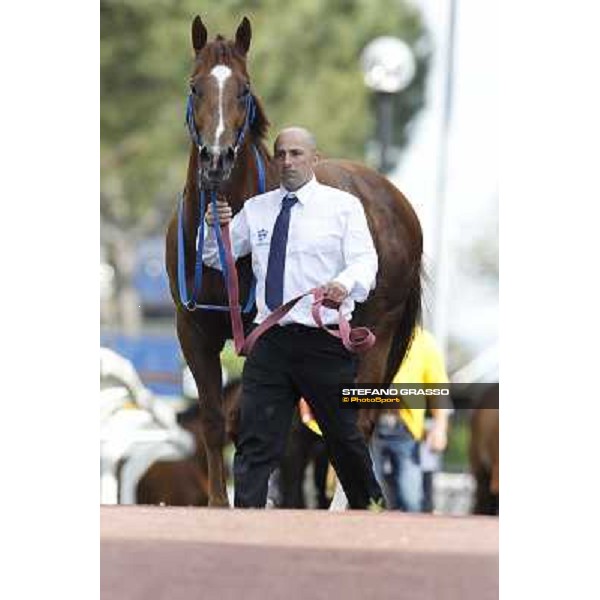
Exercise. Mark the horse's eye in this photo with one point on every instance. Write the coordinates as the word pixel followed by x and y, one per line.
pixel 195 90
pixel 245 92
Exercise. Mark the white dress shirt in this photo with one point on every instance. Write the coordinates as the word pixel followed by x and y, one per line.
pixel 328 240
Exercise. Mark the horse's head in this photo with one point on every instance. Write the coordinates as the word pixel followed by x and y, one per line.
pixel 221 107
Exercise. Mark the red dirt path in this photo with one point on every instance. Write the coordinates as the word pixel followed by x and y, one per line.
pixel 152 553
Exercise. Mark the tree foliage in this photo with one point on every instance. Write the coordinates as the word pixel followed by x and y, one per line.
pixel 303 62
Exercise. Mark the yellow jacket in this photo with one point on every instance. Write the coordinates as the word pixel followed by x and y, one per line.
pixel 423 363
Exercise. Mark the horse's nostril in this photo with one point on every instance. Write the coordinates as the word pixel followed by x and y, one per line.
pixel 227 157
pixel 216 160
pixel 205 154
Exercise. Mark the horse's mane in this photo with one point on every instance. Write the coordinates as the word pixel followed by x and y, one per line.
pixel 225 52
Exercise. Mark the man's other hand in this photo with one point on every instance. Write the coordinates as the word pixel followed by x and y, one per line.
pixel 224 213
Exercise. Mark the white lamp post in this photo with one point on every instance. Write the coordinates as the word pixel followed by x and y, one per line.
pixel 388 66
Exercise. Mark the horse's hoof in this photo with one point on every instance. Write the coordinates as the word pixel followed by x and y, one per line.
pixel 218 503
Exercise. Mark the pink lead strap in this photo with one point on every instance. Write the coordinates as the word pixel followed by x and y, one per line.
pixel 357 339
pixel 233 293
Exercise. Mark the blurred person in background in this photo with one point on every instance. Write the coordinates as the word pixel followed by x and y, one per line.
pixel 405 451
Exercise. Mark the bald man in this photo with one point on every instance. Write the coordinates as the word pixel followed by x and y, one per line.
pixel 302 235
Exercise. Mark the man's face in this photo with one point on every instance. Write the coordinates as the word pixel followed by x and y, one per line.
pixel 296 158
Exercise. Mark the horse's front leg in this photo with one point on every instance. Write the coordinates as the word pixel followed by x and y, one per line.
pixel 201 349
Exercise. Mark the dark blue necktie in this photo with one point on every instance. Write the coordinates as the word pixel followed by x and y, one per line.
pixel 276 265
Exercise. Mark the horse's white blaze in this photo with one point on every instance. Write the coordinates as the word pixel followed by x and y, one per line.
pixel 220 73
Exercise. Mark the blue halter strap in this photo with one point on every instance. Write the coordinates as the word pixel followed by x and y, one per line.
pixel 248 120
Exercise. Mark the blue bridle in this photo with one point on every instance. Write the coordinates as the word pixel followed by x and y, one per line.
pixel 248 121
pixel 190 302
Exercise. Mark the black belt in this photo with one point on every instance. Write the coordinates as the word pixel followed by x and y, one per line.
pixel 300 328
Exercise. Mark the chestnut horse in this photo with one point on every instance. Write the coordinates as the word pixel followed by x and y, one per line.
pixel 185 482
pixel 484 452
pixel 227 154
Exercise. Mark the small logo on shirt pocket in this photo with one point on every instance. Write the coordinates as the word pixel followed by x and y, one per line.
pixel 262 235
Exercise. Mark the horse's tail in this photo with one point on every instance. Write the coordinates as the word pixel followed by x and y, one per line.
pixel 411 317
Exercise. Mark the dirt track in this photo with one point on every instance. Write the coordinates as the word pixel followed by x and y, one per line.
pixel 151 553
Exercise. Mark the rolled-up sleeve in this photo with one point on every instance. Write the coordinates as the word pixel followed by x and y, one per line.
pixel 239 232
pixel 360 255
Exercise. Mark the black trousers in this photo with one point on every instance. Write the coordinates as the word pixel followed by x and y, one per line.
pixel 288 363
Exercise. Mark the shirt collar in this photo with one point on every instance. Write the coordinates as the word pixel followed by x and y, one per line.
pixel 304 193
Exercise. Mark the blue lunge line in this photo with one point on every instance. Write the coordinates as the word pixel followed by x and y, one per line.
pixel 262 187
pixel 260 167
pixel 200 241
pixel 220 245
pixel 181 257
pixel 251 297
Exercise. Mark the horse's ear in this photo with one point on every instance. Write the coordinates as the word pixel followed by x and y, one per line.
pixel 243 35
pixel 198 34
